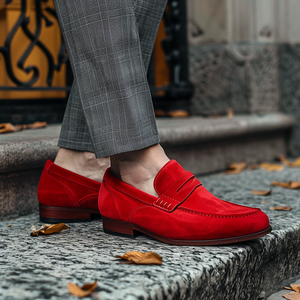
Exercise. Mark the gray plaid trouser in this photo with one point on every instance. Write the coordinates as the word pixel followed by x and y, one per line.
pixel 109 43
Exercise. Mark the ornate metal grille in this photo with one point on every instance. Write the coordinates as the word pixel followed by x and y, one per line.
pixel 23 22
pixel 179 89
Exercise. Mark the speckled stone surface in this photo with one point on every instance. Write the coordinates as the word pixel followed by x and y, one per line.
pixel 41 267
pixel 289 65
pixel 197 130
pixel 18 193
pixel 212 157
pixel 247 78
pixel 240 76
pixel 208 145
pixel 29 150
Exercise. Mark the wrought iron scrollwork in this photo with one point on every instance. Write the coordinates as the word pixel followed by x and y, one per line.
pixel 23 22
pixel 177 93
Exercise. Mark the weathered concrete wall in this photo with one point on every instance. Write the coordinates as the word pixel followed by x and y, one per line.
pixel 255 78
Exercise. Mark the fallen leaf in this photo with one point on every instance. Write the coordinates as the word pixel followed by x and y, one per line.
pixel 284 208
pixel 288 163
pixel 9 225
pixel 35 125
pixel 287 185
pixel 7 127
pixel 179 113
pixel 229 113
pixel 140 258
pixel 267 166
pixel 287 288
pixel 235 168
pixel 261 193
pixel 49 229
pixel 84 291
pixel 159 113
pixel 295 287
pixel 292 296
pixel 263 202
pixel 271 167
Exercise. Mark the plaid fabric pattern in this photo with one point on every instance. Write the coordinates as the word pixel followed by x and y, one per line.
pixel 109 43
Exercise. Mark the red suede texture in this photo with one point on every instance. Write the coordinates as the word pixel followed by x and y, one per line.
pixel 184 210
pixel 60 187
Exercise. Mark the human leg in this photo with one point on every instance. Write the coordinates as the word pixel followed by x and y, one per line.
pixel 103 43
pixel 75 133
pixel 76 151
pixel 75 140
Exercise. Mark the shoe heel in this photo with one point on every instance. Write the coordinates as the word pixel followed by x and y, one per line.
pixel 117 227
pixel 54 214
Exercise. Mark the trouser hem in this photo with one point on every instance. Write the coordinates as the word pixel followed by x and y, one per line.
pixel 117 149
pixel 75 146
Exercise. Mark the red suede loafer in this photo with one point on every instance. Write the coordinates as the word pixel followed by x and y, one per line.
pixel 185 213
pixel 65 196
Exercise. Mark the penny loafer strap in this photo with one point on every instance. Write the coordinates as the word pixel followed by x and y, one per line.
pixel 177 192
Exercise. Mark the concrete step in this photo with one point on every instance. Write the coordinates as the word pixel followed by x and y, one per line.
pixel 201 145
pixel 41 267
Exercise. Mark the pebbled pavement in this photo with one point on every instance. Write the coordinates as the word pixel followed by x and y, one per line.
pixel 41 267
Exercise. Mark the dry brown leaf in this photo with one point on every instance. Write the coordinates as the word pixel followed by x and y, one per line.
pixel 287 288
pixel 49 229
pixel 261 193
pixel 179 113
pixel 7 127
pixel 287 185
pixel 284 208
pixel 271 167
pixel 263 202
pixel 140 258
pixel 292 296
pixel 9 225
pixel 229 113
pixel 235 168
pixel 84 291
pixel 295 287
pixel 35 125
pixel 267 166
pixel 288 163
pixel 159 113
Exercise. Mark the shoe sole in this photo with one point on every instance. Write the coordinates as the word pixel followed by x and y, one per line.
pixel 125 229
pixel 56 214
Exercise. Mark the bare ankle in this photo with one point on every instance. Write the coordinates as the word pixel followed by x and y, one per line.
pixel 82 163
pixel 139 168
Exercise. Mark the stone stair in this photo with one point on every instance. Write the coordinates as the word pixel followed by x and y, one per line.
pixel 201 145
pixel 41 267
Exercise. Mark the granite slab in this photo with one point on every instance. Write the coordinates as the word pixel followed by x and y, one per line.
pixel 29 149
pixel 41 267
